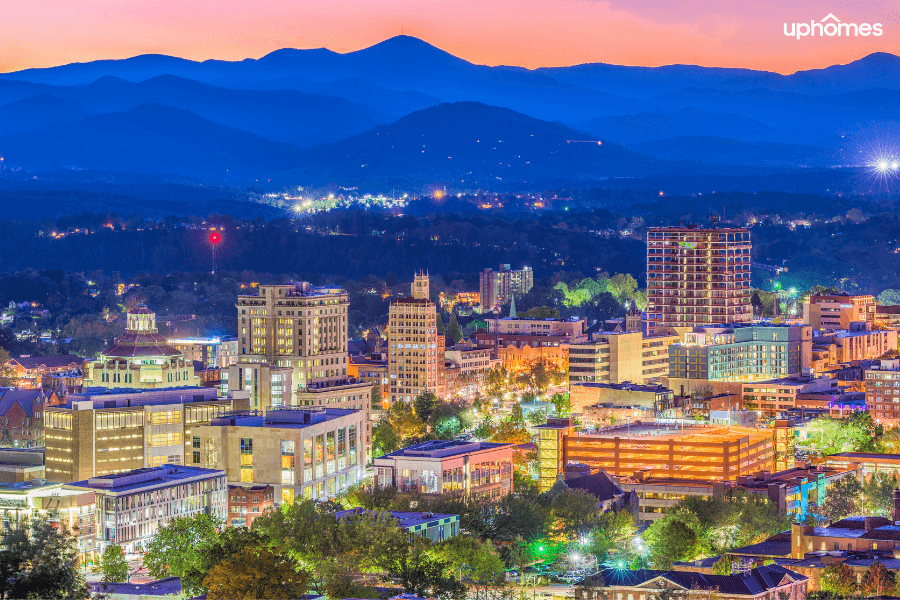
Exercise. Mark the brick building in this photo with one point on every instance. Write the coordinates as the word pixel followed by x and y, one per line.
pixel 245 503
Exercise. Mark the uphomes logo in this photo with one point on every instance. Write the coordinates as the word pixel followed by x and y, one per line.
pixel 831 26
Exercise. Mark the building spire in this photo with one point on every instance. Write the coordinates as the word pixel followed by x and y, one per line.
pixel 512 307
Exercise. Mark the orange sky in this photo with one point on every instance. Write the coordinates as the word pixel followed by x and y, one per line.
pixel 529 33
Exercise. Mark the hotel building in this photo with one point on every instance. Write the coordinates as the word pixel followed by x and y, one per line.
pixel 415 350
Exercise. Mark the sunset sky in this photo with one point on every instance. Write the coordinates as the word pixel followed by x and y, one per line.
pixel 530 33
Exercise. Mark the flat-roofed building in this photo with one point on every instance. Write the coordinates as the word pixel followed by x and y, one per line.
pixel 888 316
pixel 655 398
pixel 213 352
pixel 500 287
pixel 246 503
pixel 133 505
pixel 302 452
pixel 437 527
pixel 858 343
pixel 415 350
pixel 778 395
pixel 742 353
pixel 479 469
pixel 466 368
pixel 883 391
pixel 837 311
pixel 866 463
pixel 617 357
pixel 99 432
pixel 697 276
pixel 714 453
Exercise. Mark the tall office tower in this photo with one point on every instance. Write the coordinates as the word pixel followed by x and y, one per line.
pixel 499 287
pixel 299 326
pixel 415 350
pixel 697 277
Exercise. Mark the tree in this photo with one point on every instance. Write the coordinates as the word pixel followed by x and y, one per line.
pixel 562 406
pixel 7 372
pixel 839 579
pixel 541 312
pixel 410 560
pixel 575 511
pixel 39 560
pixel 877 494
pixel 454 331
pixel 842 498
pixel 485 429
pixel 675 537
pixel 889 297
pixel 877 581
pixel 480 560
pixel 112 565
pixel 255 573
pixel 424 405
pixel 615 532
pixel 536 417
pixel 516 416
pixel 385 438
pixel 622 286
pixel 723 566
pixel 230 542
pixel 177 548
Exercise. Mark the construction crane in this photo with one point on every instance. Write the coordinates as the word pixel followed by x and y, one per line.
pixel 598 142
pixel 778 271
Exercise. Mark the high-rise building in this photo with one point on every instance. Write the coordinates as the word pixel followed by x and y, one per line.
pixel 697 277
pixel 415 350
pixel 883 391
pixel 499 287
pixel 299 326
pixel 617 357
pixel 142 358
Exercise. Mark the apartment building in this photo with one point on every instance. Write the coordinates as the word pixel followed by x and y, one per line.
pixel 142 358
pixel 374 371
pixel 109 431
pixel 480 469
pixel 742 353
pixel 697 277
pixel 35 372
pixel 499 287
pixel 213 352
pixel 883 392
pixel 618 357
pixel 466 367
pixel 415 350
pixel 837 311
pixel 301 452
pixel 132 506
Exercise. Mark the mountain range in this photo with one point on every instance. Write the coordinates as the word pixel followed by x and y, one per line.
pixel 321 114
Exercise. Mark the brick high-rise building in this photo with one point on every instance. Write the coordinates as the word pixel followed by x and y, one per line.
pixel 415 350
pixel 499 287
pixel 697 277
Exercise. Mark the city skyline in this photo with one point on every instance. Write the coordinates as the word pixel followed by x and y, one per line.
pixel 558 33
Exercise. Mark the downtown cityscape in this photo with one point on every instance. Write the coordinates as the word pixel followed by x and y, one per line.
pixel 500 315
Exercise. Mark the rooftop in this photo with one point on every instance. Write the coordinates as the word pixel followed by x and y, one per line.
pixel 127 397
pixel 160 587
pixel 751 583
pixel 443 449
pixel 148 477
pixel 283 418
pixel 404 519
pixel 51 362
pixel 299 289
pixel 685 433
pixel 625 386
pixel 201 340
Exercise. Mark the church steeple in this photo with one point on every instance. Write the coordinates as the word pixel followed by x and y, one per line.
pixel 512 307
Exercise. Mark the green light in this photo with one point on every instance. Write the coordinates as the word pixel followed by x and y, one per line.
pixel 541 549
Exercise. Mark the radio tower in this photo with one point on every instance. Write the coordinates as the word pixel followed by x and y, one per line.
pixel 215 238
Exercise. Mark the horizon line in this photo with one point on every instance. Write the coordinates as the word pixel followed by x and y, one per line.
pixel 498 65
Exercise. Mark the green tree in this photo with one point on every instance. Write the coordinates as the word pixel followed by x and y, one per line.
pixel 889 297
pixel 622 286
pixel 385 438
pixel 454 331
pixel 562 406
pixel 424 405
pixel 485 429
pixel 723 566
pixel 575 511
pixel 480 560
pixel 614 532
pixel 675 537
pixel 516 416
pixel 178 546
pixel 255 573
pixel 112 565
pixel 877 494
pixel 411 561
pixel 877 581
pixel 839 579
pixel 842 498
pixel 536 417
pixel 39 560
pixel 229 543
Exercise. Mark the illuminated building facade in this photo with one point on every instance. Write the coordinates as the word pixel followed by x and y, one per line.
pixel 312 453
pixel 883 392
pixel 214 353
pixel 415 350
pixel 499 287
pixel 142 358
pixel 742 353
pixel 714 453
pixel 697 277
pixel 117 430
pixel 837 311
pixel 617 357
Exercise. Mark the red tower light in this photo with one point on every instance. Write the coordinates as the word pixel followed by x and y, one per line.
pixel 215 237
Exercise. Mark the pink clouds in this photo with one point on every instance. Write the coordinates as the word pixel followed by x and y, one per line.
pixel 530 33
